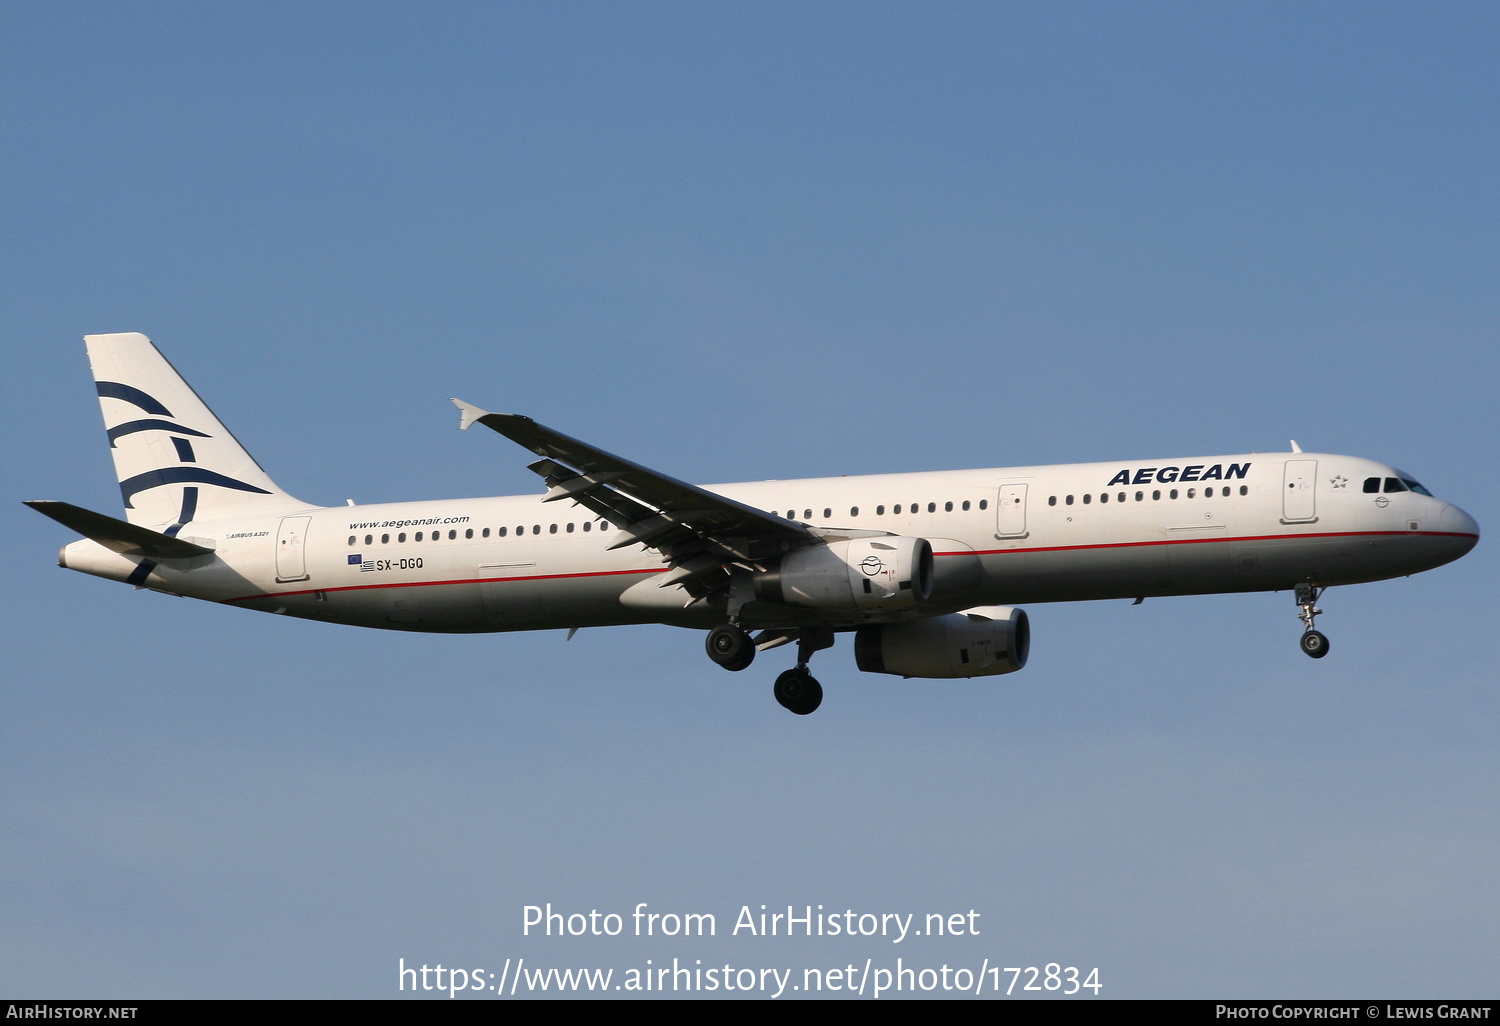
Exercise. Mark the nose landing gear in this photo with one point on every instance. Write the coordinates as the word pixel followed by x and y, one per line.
pixel 1313 642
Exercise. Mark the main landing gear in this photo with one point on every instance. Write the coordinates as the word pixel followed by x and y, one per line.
pixel 796 689
pixel 799 691
pixel 730 647
pixel 1313 642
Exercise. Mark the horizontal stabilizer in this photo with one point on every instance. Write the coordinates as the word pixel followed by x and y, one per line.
pixel 117 535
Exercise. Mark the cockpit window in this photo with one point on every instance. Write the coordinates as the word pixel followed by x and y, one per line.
pixel 1393 484
pixel 1414 486
pixel 1372 484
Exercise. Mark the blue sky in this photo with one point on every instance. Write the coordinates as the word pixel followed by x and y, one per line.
pixel 733 242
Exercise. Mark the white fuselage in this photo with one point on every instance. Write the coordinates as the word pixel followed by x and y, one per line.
pixel 1253 522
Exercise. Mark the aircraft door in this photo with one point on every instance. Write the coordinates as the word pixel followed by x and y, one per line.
pixel 291 555
pixel 1011 510
pixel 1298 492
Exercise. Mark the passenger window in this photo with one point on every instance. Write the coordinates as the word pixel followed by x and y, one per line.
pixel 880 511
pixel 1244 489
pixel 1192 492
pixel 385 539
pixel 827 513
pixel 896 509
pixel 854 511
pixel 1052 500
pixel 536 528
pixel 1103 496
pixel 807 514
pixel 932 507
pixel 1068 501
pixel 369 539
pixel 570 528
pixel 1172 494
pixel 419 536
pixel 586 525
pixel 966 505
pixel 1087 498
pixel 551 528
pixel 401 537
pixel 352 540
pixel 469 533
pixel 1156 495
pixel 1120 497
pixel 947 507
pixel 1139 496
pixel 984 503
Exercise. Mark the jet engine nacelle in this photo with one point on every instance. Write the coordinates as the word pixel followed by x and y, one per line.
pixel 978 642
pixel 886 572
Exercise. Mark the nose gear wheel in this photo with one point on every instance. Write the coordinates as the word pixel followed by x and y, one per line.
pixel 1314 643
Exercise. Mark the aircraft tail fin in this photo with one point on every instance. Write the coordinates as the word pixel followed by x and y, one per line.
pixel 175 461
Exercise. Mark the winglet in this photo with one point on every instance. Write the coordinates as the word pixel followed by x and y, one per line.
pixel 467 414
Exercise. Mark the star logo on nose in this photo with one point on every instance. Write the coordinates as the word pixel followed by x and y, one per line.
pixel 1340 481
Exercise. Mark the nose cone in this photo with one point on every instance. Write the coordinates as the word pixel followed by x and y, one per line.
pixel 1460 526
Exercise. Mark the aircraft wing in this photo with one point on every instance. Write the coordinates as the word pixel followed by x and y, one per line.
pixel 697 530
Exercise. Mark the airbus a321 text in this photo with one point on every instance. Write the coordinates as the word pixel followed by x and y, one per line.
pixel 926 570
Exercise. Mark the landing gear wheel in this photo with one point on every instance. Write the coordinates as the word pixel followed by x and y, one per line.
pixel 1314 644
pixel 730 647
pixel 798 691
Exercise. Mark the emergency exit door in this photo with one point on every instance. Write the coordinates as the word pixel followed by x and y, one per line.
pixel 1299 492
pixel 291 552
pixel 1012 511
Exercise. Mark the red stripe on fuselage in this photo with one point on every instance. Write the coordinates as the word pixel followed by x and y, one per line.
pixel 1200 541
pixel 975 552
pixel 439 584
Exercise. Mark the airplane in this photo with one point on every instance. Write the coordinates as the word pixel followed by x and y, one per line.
pixel 926 570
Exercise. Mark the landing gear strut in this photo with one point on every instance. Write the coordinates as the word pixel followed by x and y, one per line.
pixel 796 689
pixel 1313 642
